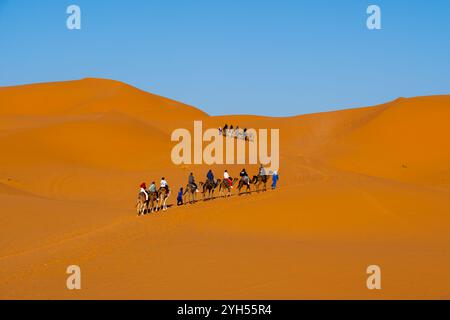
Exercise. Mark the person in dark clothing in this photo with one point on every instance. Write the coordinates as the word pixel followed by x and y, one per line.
pixel 275 179
pixel 244 176
pixel 180 197
pixel 225 130
pixel 210 176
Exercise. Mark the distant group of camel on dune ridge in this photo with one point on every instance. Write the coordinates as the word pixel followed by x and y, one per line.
pixel 152 200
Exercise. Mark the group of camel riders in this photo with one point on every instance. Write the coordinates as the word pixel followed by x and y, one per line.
pixel 156 198
pixel 233 131
pixel 152 190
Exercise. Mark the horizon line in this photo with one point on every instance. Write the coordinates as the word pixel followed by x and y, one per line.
pixel 400 98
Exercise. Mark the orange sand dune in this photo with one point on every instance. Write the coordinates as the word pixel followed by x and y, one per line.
pixel 358 187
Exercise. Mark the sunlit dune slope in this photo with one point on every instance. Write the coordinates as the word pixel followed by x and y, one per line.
pixel 408 141
pixel 89 96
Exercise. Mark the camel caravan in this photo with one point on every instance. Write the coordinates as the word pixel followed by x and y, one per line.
pixel 152 199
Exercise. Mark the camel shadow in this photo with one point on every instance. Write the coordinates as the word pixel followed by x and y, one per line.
pixel 148 211
pixel 243 193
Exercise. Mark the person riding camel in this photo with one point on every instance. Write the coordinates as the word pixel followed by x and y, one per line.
pixel 191 181
pixel 244 176
pixel 262 173
pixel 144 190
pixel 164 184
pixel 227 177
pixel 210 176
pixel 152 188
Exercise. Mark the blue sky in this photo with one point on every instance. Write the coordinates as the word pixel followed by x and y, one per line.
pixel 283 57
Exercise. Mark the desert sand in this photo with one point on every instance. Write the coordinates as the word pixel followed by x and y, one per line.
pixel 357 187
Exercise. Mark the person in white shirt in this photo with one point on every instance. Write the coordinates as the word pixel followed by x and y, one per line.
pixel 227 177
pixel 164 184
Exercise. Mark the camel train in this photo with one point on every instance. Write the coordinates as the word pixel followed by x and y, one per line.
pixel 152 200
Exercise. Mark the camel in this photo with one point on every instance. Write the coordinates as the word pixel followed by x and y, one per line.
pixel 225 188
pixel 152 201
pixel 163 195
pixel 258 180
pixel 244 183
pixel 142 204
pixel 190 191
pixel 209 186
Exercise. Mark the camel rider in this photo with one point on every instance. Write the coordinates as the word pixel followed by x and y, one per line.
pixel 244 176
pixel 227 177
pixel 210 176
pixel 262 173
pixel 144 190
pixel 191 181
pixel 164 184
pixel 225 130
pixel 152 187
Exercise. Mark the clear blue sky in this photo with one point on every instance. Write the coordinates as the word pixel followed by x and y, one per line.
pixel 276 57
